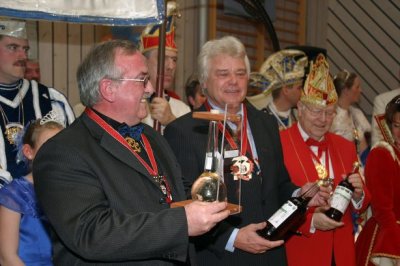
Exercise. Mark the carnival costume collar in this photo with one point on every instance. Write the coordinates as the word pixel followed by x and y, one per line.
pixel 21 85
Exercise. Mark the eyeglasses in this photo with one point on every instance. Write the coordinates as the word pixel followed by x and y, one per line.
pixel 145 80
pixel 319 112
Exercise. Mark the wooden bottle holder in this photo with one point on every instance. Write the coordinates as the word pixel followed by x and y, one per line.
pixel 233 208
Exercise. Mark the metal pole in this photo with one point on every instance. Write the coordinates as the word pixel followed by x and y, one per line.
pixel 160 63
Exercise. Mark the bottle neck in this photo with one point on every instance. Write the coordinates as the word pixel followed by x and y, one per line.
pixel 345 181
pixel 212 153
pixel 310 192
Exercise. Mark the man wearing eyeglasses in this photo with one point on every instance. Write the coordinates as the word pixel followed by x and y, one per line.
pixel 311 153
pixel 106 183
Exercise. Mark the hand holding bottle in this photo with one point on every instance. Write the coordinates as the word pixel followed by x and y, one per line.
pixel 321 222
pixel 290 215
pixel 320 198
pixel 249 240
pixel 357 182
pixel 343 193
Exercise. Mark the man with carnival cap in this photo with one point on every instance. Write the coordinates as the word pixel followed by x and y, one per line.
pixel 284 71
pixel 21 100
pixel 164 109
pixel 311 152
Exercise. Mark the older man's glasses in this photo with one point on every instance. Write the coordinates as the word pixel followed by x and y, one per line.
pixel 145 80
pixel 320 112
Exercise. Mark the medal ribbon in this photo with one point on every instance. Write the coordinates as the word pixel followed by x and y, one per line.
pixel 243 141
pixel 153 169
pixel 322 147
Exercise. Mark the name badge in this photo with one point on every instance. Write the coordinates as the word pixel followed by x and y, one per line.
pixel 231 153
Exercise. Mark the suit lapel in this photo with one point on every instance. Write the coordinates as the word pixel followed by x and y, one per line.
pixel 258 132
pixel 122 153
pixel 111 145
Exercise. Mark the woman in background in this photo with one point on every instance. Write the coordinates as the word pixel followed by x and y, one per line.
pixel 24 238
pixel 379 241
pixel 350 122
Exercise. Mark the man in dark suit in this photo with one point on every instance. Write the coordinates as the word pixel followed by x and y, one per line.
pixel 224 71
pixel 106 183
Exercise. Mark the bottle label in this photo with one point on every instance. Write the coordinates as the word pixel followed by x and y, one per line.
pixel 341 198
pixel 282 214
pixel 208 163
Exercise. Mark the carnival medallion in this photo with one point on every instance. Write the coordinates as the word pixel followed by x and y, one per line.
pixel 12 130
pixel 321 171
pixel 242 168
pixel 134 144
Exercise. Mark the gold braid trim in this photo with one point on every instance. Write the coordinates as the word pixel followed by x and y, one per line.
pixel 371 255
pixel 371 245
pixel 384 128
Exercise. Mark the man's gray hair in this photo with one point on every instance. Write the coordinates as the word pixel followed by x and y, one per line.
pixel 99 64
pixel 227 45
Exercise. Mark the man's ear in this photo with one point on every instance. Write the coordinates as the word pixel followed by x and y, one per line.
pixel 191 100
pixel 286 89
pixel 28 152
pixel 300 108
pixel 107 90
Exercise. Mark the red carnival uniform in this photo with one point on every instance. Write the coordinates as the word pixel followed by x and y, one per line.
pixel 381 234
pixel 316 249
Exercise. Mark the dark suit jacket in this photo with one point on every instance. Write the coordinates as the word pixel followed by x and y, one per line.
pixel 102 203
pixel 188 139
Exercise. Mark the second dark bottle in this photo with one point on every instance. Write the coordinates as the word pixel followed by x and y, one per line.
pixel 341 197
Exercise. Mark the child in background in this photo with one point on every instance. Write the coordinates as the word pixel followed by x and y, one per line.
pixel 24 239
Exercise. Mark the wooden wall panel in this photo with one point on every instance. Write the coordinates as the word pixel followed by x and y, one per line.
pixel 32 33
pixel 88 39
pixel 45 52
pixel 289 26
pixel 363 37
pixel 74 59
pixel 60 57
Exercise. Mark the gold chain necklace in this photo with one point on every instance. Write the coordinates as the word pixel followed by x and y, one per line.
pixel 13 128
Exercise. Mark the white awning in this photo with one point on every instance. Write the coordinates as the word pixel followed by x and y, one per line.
pixel 109 12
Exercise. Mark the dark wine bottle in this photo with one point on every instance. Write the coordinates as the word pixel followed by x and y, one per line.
pixel 289 216
pixel 341 196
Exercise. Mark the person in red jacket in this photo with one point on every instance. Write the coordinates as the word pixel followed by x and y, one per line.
pixel 311 152
pixel 379 241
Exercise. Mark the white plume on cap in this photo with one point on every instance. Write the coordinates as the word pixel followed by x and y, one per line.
pixel 13 28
